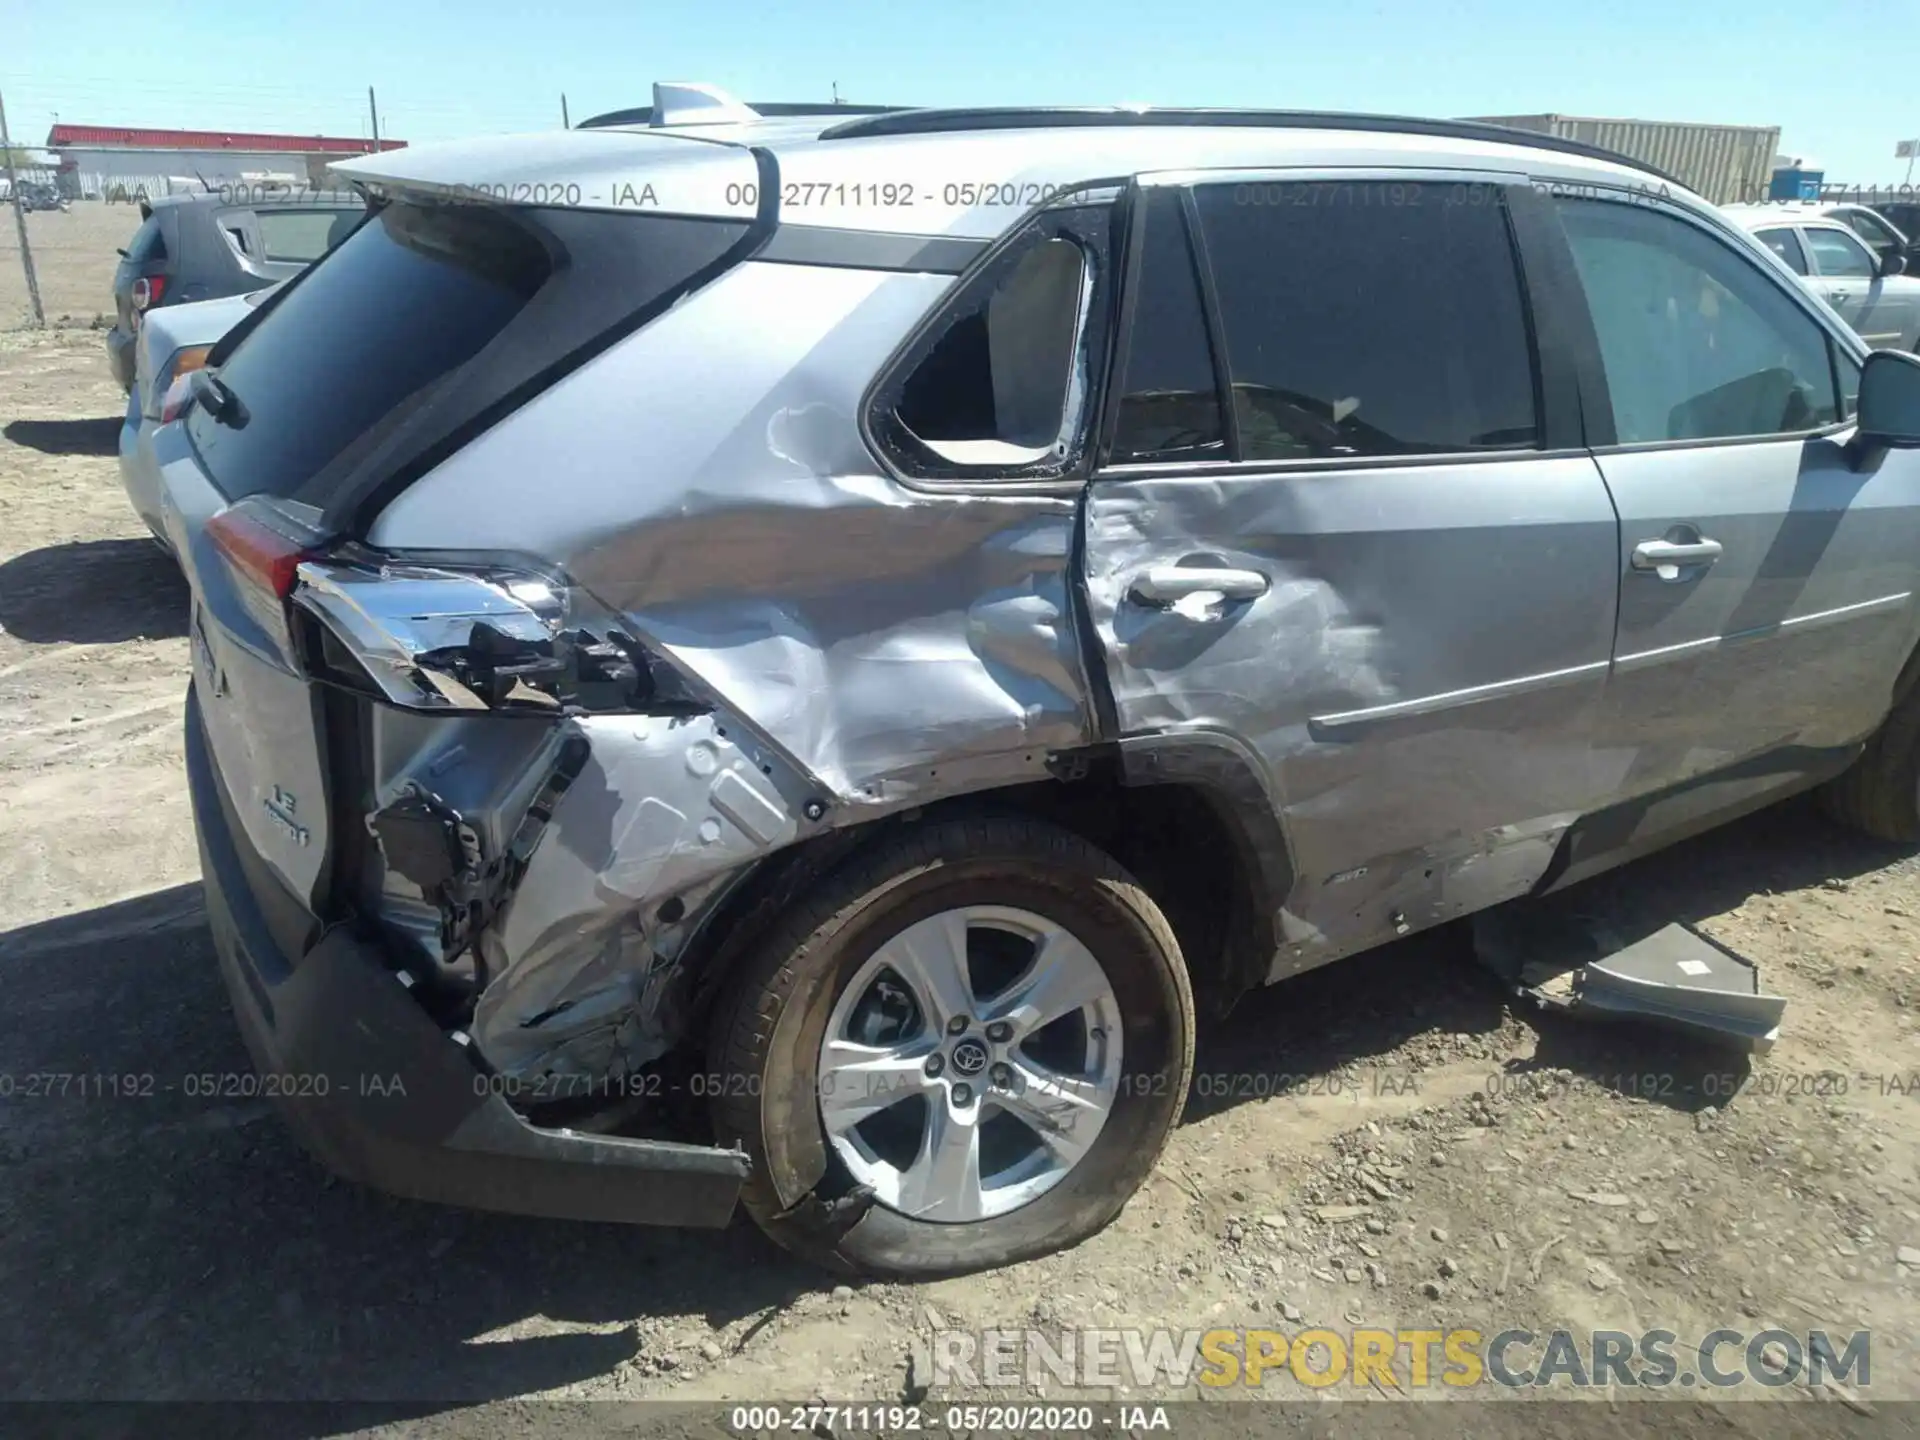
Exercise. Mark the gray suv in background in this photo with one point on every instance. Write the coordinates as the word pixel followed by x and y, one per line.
pixel 225 242
pixel 786 660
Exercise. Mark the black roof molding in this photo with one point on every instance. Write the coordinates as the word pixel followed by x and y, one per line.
pixel 939 122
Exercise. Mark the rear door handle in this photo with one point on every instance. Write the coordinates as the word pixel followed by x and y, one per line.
pixel 1665 557
pixel 1164 584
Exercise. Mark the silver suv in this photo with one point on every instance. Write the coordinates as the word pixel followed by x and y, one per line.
pixel 784 660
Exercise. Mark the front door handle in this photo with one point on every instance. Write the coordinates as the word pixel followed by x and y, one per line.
pixel 1165 584
pixel 1665 557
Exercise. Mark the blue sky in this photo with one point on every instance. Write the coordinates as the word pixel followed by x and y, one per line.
pixel 1832 75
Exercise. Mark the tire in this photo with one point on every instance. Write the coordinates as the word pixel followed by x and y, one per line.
pixel 769 1030
pixel 1879 794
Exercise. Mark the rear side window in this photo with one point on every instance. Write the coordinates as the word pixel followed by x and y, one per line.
pixel 1698 341
pixel 997 386
pixel 1786 245
pixel 417 329
pixel 1169 402
pixel 303 236
pixel 148 244
pixel 1840 256
pixel 994 389
pixel 1370 319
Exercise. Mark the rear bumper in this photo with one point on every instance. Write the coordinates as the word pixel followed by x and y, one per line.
pixel 379 1094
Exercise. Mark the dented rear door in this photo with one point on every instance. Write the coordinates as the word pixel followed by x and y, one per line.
pixel 1382 567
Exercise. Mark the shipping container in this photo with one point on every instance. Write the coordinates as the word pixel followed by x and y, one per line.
pixel 1728 164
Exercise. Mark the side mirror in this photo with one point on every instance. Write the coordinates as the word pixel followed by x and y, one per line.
pixel 1893 263
pixel 1887 414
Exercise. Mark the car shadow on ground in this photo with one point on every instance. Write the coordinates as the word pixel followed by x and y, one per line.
pixel 93 592
pixel 157 1207
pixel 66 437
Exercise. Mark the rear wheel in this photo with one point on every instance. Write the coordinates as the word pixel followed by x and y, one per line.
pixel 964 1051
pixel 1880 793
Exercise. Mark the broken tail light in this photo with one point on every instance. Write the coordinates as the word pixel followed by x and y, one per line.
pixel 429 636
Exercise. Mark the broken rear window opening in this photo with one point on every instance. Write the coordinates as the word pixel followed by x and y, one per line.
pixel 428 323
pixel 1000 384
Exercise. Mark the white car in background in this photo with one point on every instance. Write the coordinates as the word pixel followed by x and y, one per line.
pixel 1872 293
pixel 173 342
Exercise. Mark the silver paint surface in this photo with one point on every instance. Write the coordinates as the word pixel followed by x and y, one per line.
pixel 1419 680
pixel 869 631
pixel 1428 680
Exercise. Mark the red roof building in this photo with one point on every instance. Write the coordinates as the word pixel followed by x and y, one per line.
pixel 114 137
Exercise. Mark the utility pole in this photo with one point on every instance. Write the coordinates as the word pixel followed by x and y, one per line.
pixel 20 219
pixel 373 115
pixel 565 123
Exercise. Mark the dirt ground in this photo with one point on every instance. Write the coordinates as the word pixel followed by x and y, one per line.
pixel 1515 1169
pixel 73 257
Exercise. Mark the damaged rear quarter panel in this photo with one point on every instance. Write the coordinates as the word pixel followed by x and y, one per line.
pixel 869 645
pixel 664 810
pixel 707 478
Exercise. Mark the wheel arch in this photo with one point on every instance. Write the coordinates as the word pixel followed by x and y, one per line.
pixel 1170 808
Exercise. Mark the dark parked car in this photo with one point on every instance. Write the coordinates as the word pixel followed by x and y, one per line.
pixel 224 242
pixel 1905 214
pixel 38 195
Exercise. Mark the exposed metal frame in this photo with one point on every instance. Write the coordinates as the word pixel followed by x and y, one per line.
pixel 1040 117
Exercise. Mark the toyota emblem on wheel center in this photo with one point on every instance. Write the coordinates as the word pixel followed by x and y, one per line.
pixel 969 1057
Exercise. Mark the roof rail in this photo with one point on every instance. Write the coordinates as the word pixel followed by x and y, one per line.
pixel 940 122
pixel 766 110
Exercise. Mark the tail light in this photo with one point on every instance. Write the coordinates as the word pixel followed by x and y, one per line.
pixel 255 551
pixel 262 541
pixel 148 291
pixel 426 634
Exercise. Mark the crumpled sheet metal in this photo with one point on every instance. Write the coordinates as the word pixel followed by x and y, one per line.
pixel 663 808
pixel 872 632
